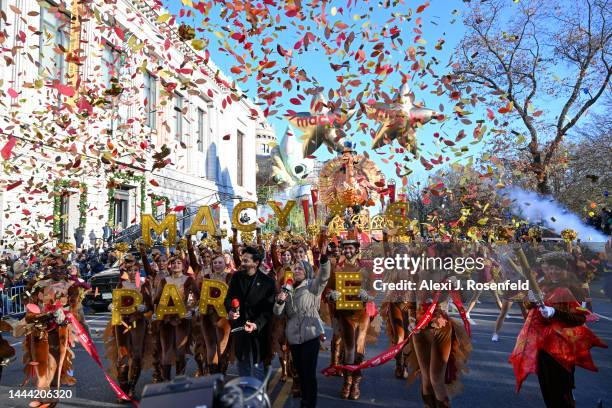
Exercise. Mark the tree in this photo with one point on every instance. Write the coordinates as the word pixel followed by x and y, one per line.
pixel 584 186
pixel 538 52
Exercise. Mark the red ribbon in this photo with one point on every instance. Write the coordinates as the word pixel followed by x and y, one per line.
pixel 89 346
pixel 457 301
pixel 390 353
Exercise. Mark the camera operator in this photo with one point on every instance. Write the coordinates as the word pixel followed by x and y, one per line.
pixel 304 326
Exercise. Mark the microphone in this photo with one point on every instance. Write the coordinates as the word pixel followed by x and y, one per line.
pixel 286 288
pixel 235 307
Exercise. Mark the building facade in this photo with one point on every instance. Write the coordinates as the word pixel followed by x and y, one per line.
pixel 115 111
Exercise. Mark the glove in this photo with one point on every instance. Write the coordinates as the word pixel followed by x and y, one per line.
pixel 363 295
pixel 59 316
pixel 189 315
pixel 110 307
pixel 334 295
pixel 141 308
pixel 547 312
pixel 153 317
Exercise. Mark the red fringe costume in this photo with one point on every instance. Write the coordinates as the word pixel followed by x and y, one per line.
pixel 564 338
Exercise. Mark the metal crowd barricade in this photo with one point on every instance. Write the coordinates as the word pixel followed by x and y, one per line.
pixel 12 301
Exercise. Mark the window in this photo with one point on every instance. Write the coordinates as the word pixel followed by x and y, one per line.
pixel 111 64
pixel 150 101
pixel 201 134
pixel 121 202
pixel 239 157
pixel 54 38
pixel 178 119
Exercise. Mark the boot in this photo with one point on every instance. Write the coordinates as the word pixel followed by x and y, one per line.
pixel 335 357
pixel 429 400
pixel 122 378
pixel 166 372
pixel 399 368
pixel 346 387
pixel 355 391
pixel 296 390
pixel 443 404
pixel 133 379
pixel 283 364
pixel 180 367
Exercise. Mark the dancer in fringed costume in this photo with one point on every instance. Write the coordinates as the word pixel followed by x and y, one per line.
pixel 396 305
pixel 174 330
pixel 156 272
pixel 127 343
pixel 554 339
pixel 47 346
pixel 283 258
pixel 210 331
pixel 356 327
pixel 439 352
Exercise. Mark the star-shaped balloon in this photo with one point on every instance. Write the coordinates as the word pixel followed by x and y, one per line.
pixel 400 120
pixel 320 126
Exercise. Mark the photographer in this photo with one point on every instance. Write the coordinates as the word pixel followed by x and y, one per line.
pixel 304 326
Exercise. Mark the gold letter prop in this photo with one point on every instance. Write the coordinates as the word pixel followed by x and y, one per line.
pixel 204 213
pixel 401 222
pixel 282 214
pixel 170 292
pixel 118 309
pixel 148 223
pixel 342 278
pixel 216 302
pixel 241 206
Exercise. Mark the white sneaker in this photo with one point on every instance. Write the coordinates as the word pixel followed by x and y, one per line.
pixel 495 338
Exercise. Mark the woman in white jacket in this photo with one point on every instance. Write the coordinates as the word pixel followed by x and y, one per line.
pixel 301 304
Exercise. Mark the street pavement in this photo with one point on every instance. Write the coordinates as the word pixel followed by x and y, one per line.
pixel 489 383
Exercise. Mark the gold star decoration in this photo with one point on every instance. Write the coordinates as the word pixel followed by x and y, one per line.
pixel 320 126
pixel 400 120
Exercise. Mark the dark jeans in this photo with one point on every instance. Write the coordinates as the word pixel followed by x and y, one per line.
pixel 556 382
pixel 305 362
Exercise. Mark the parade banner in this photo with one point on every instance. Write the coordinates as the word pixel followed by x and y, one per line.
pixel 89 346
pixel 388 354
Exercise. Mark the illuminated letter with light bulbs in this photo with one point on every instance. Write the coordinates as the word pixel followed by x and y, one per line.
pixel 204 213
pixel 282 214
pixel 170 292
pixel 217 301
pixel 241 206
pixel 148 223
pixel 398 213
pixel 119 309
pixel 342 285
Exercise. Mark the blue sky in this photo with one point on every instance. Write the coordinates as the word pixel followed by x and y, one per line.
pixel 441 19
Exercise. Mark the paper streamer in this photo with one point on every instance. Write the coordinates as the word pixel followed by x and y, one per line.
pixel 89 346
